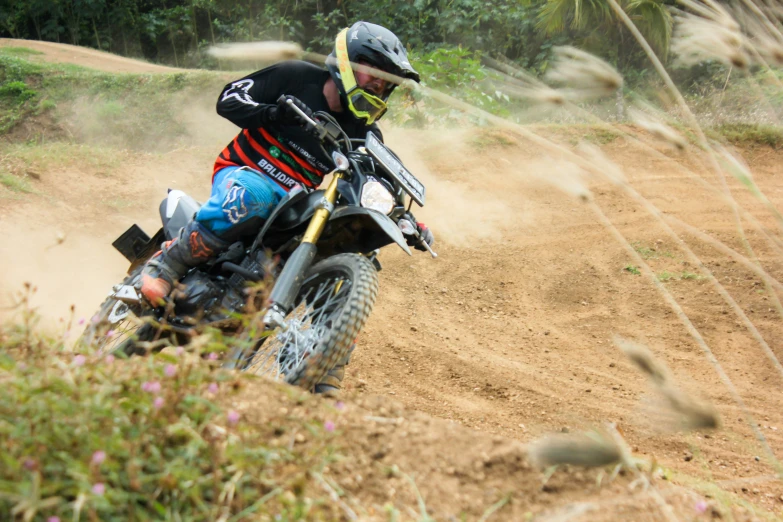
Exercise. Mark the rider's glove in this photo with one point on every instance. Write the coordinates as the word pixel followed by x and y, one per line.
pixel 426 234
pixel 282 113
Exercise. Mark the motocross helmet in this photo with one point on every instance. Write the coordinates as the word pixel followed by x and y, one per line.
pixel 380 48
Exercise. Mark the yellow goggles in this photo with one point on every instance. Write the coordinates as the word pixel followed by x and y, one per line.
pixel 365 105
pixel 360 102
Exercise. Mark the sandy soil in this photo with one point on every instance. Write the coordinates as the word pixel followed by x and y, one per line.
pixel 86 57
pixel 508 334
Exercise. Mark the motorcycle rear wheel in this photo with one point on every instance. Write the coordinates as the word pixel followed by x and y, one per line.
pixel 331 308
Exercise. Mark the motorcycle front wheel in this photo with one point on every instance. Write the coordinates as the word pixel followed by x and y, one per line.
pixel 332 306
pixel 115 327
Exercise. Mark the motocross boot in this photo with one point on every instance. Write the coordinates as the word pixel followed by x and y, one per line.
pixel 194 245
pixel 332 381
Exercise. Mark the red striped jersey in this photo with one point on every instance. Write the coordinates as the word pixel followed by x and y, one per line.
pixel 287 154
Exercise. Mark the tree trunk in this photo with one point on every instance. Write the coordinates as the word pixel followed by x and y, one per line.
pixel 620 105
pixel 37 24
pixel 174 47
pixel 250 20
pixel 195 26
pixel 97 38
pixel 211 29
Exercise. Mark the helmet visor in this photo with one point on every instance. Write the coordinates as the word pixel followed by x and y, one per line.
pixel 365 105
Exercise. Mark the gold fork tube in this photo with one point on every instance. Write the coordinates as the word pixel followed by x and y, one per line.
pixel 321 215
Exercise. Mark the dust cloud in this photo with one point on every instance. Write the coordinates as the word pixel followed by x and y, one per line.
pixel 465 199
pixel 59 237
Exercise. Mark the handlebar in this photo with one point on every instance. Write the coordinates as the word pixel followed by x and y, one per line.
pixel 312 125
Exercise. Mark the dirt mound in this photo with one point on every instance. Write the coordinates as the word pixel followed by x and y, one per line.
pixel 92 58
pixel 390 459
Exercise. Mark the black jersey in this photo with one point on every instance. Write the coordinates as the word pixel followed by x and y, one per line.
pixel 286 153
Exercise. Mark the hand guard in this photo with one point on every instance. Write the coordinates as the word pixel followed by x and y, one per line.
pixel 285 115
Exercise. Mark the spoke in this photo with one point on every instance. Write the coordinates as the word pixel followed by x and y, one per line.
pixel 286 350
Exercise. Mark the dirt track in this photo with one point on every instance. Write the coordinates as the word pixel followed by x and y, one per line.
pixel 509 332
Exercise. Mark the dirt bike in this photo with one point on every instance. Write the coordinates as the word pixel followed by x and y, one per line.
pixel 325 283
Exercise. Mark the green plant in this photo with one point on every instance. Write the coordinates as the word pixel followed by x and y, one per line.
pixel 15 183
pixel 632 269
pixel 93 437
pixel 18 51
pixel 748 133
pixel 666 276
pixel 646 252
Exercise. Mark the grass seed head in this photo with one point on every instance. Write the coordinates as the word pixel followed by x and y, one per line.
pixel 658 129
pixel 697 39
pixel 690 413
pixel 583 75
pixel 585 450
pixel 643 358
pixel 566 177
pixel 261 51
pixel 597 157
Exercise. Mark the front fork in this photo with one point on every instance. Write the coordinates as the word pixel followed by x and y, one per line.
pixel 290 280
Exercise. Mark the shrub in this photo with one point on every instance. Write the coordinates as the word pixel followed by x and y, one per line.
pixel 91 437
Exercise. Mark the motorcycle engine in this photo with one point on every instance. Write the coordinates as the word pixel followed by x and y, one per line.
pixel 201 295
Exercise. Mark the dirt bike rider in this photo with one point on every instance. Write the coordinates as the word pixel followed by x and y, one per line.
pixel 274 152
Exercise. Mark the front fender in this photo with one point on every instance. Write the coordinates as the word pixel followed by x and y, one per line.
pixel 379 229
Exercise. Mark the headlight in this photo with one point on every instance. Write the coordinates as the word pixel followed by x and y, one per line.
pixel 376 197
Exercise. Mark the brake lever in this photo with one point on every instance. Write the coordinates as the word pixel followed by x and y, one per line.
pixel 312 125
pixel 425 244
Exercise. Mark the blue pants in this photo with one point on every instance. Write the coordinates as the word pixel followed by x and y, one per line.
pixel 238 194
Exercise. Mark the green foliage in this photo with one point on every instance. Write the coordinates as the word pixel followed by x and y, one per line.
pixel 594 25
pixel 124 110
pixel 646 252
pixel 17 91
pixel 18 51
pixel 747 133
pixel 632 269
pixel 177 32
pixel 15 183
pixel 455 71
pixel 88 437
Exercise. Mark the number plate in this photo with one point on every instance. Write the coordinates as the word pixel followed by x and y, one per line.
pixel 393 166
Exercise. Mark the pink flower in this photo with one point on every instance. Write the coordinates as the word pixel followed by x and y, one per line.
pixel 701 506
pixel 158 403
pixel 329 426
pixel 81 321
pixel 151 386
pixel 213 356
pixel 170 370
pixel 98 457
pixel 340 405
pixel 79 360
pixel 22 366
pixel 53 519
pixel 29 463
pixel 66 334
pixel 98 488
pixel 109 359
pixel 233 417
pixel 95 319
pixel 180 350
pixel 110 333
pixel 213 388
